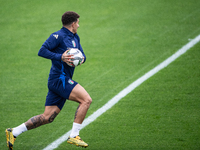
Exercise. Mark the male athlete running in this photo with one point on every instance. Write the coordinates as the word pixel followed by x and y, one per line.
pixel 60 83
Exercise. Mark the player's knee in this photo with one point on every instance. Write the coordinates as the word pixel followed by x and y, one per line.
pixel 51 118
pixel 47 120
pixel 88 101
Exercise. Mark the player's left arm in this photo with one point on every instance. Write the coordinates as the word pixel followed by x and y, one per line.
pixel 81 49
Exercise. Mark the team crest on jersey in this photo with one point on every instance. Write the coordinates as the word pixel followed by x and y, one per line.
pixel 73 42
pixel 70 81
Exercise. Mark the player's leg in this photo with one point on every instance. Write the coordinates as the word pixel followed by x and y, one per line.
pixel 80 95
pixel 47 117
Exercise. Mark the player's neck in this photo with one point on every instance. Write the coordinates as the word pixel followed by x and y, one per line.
pixel 69 28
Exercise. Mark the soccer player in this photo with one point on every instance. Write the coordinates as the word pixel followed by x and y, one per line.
pixel 60 83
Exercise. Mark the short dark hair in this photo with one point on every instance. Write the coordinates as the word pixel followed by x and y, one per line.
pixel 69 17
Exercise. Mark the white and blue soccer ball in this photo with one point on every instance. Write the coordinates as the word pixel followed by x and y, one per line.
pixel 77 57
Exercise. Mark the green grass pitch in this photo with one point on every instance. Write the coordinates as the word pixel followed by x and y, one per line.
pixel 122 40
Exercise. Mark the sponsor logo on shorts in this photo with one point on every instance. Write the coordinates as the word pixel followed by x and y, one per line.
pixel 70 81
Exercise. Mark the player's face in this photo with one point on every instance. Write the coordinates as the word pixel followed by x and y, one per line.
pixel 75 26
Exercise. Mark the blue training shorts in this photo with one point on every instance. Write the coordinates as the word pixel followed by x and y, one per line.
pixel 59 91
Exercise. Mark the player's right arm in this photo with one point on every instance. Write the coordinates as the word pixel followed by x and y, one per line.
pixel 49 45
pixel 66 57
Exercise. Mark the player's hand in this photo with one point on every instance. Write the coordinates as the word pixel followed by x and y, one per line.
pixel 66 57
pixel 82 60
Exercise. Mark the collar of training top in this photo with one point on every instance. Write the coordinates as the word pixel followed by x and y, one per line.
pixel 68 32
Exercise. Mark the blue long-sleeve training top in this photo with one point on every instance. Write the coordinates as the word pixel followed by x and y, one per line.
pixel 53 48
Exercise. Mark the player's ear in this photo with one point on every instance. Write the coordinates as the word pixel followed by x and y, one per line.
pixel 73 23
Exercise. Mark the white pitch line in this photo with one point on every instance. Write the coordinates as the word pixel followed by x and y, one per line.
pixel 125 91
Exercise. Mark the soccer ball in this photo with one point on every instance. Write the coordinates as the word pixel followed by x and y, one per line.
pixel 77 57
